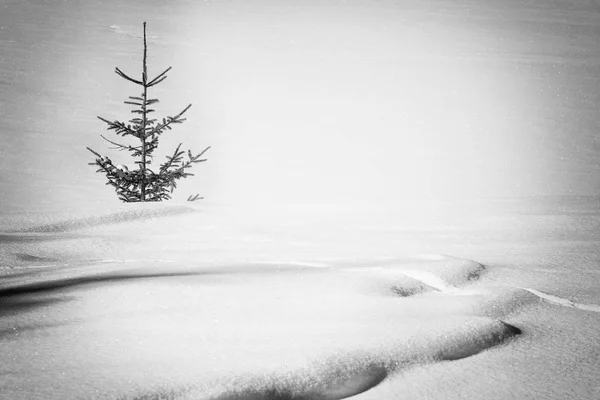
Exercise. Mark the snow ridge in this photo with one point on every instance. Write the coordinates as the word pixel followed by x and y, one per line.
pixel 108 219
pixel 562 301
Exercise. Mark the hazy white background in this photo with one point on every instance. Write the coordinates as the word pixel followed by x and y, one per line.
pixel 335 102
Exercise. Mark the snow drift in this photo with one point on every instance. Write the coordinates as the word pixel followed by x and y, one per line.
pixel 181 303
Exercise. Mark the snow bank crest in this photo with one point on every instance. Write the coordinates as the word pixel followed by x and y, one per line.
pixel 108 219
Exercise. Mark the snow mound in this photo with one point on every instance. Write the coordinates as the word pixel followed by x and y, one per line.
pixel 377 281
pixel 242 331
pixel 419 274
pixel 349 374
pixel 501 301
pixel 474 339
pixel 444 272
pixel 333 381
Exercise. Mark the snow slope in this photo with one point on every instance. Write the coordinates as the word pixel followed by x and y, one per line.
pixel 162 301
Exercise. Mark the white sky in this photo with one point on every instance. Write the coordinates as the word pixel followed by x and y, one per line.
pixel 305 101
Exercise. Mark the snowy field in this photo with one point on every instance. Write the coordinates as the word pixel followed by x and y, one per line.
pixel 498 299
pixel 401 202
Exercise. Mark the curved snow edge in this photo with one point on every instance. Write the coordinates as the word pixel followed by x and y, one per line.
pixel 466 344
pixel 346 376
pixel 562 301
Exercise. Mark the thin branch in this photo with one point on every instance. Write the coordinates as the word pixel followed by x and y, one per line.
pixel 158 81
pixel 121 146
pixel 154 81
pixel 98 155
pixel 171 160
pixel 119 127
pixel 202 153
pixel 123 75
pixel 171 120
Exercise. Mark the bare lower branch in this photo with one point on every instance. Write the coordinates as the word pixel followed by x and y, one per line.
pixel 123 75
pixel 97 155
pixel 159 76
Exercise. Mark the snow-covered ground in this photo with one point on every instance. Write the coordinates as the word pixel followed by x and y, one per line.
pixel 498 299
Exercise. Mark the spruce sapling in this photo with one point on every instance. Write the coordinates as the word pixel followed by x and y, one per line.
pixel 145 184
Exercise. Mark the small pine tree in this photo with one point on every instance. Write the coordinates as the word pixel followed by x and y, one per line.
pixel 144 184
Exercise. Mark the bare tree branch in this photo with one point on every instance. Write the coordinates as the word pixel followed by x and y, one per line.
pixel 159 76
pixel 123 75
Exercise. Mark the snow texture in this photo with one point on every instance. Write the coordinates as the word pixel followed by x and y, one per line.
pixel 88 310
